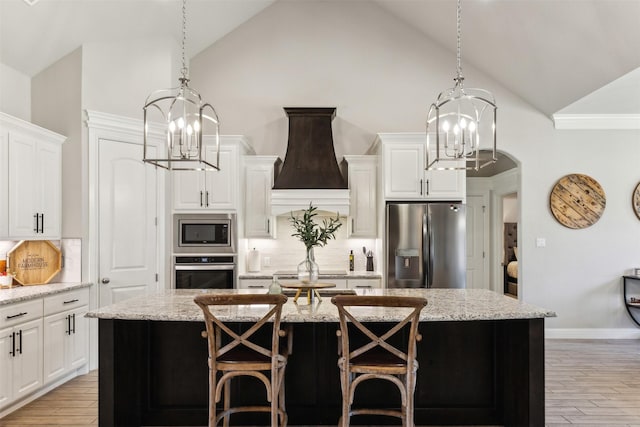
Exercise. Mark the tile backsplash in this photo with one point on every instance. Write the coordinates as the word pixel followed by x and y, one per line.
pixel 71 263
pixel 285 252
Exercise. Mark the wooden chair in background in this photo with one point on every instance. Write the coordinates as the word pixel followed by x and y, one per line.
pixel 377 359
pixel 235 354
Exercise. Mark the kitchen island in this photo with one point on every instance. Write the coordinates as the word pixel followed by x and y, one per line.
pixel 481 361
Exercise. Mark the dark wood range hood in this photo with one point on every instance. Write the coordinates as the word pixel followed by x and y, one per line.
pixel 310 161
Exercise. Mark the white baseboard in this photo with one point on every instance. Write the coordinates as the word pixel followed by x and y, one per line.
pixel 592 333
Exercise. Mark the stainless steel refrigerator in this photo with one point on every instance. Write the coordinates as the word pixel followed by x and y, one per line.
pixel 426 245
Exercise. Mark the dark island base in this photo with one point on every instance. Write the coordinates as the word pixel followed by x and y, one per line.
pixel 482 372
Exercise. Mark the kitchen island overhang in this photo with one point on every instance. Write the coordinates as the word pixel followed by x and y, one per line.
pixel 481 361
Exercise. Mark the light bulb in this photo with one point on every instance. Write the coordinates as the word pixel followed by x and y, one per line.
pixel 472 126
pixel 463 123
pixel 181 123
pixel 189 130
pixel 196 126
pixel 445 126
pixel 172 126
pixel 456 129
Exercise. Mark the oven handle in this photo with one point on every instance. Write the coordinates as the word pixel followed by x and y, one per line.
pixel 204 267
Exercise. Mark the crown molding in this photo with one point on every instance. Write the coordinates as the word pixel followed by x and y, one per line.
pixel 597 121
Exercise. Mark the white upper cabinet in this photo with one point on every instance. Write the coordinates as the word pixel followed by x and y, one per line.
pixel 30 179
pixel 258 181
pixel 362 178
pixel 212 190
pixel 404 174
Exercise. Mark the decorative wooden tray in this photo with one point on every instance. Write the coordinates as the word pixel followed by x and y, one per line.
pixel 577 201
pixel 34 262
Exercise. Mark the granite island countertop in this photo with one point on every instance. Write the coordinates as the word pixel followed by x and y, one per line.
pixel 24 293
pixel 443 305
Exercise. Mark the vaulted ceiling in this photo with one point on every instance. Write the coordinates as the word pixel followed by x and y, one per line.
pixel 551 53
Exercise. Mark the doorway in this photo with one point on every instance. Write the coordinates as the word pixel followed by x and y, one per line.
pixel 486 189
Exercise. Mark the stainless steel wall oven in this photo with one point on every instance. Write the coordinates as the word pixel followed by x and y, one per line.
pixel 205 272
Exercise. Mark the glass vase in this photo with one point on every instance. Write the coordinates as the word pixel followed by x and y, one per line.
pixel 308 269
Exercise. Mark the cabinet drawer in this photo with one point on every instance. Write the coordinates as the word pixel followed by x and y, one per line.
pixel 254 283
pixel 20 312
pixel 364 283
pixel 66 301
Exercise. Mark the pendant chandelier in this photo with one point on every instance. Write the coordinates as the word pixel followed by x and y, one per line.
pixel 459 122
pixel 185 119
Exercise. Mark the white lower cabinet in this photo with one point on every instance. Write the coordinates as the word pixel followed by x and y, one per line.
pixel 65 333
pixel 21 350
pixel 41 340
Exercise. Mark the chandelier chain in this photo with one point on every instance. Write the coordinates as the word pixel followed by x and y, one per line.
pixel 184 38
pixel 459 36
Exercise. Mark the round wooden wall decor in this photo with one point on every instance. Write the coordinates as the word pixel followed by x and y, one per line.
pixel 635 200
pixel 577 201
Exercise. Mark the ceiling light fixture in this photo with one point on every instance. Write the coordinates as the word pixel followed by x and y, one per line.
pixel 458 122
pixel 185 118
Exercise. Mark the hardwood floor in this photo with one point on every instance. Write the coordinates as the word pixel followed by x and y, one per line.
pixel 588 383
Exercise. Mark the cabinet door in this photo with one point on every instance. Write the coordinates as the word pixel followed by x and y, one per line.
pixel 258 182
pixel 55 332
pixel 6 367
pixel 362 186
pixel 404 171
pixel 49 189
pixel 27 365
pixel 221 186
pixel 78 339
pixel 446 184
pixel 22 185
pixel 4 188
pixel 188 189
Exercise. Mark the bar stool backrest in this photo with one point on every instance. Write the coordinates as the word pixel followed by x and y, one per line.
pixel 217 330
pixel 375 340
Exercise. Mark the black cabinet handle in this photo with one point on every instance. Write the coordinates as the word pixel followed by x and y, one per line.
pixel 70 301
pixel 35 223
pixel 13 345
pixel 68 330
pixel 421 187
pixel 20 335
pixel 201 199
pixel 16 315
pixel 207 199
pixel 42 223
pixel 74 323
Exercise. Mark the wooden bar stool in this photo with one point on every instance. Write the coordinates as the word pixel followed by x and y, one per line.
pixel 377 359
pixel 233 355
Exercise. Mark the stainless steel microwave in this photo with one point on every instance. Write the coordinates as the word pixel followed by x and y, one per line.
pixel 204 233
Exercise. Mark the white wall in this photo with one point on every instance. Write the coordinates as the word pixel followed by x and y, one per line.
pixel 382 75
pixel 117 77
pixel 15 93
pixel 57 101
pixel 510 208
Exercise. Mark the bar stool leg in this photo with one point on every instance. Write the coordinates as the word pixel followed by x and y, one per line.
pixel 295 299
pixel 227 401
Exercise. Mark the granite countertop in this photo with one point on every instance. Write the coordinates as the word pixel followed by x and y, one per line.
pixel 24 293
pixel 443 305
pixel 291 275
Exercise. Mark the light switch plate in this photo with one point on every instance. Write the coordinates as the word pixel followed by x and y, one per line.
pixel 541 242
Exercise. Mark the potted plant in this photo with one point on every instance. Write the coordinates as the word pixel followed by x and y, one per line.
pixel 312 234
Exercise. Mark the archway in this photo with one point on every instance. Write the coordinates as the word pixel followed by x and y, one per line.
pixel 487 189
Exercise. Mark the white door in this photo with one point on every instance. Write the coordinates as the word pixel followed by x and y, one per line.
pixel 127 222
pixel 477 246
